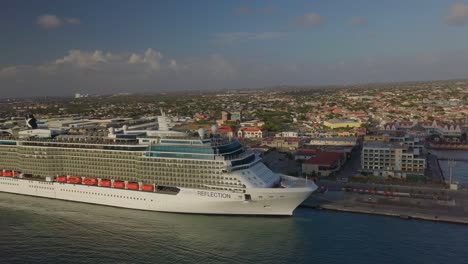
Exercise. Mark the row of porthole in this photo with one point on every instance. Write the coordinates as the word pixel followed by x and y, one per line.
pixel 9 183
pixel 40 187
pixel 9 179
pixel 103 194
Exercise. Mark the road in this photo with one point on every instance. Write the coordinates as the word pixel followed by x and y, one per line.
pixel 352 166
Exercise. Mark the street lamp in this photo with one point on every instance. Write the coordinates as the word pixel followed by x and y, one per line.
pixel 451 163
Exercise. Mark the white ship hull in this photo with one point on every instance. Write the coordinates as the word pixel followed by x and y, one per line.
pixel 264 201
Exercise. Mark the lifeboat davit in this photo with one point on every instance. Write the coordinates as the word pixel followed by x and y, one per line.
pixel 74 180
pixel 119 184
pixel 147 187
pixel 62 178
pixel 133 186
pixel 90 181
pixel 105 183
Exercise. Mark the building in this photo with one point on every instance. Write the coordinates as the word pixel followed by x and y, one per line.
pixel 250 132
pixel 283 143
pixel 252 123
pixel 334 141
pixel 394 159
pixel 226 131
pixel 234 116
pixel 341 123
pixel 447 131
pixel 322 164
pixel 287 134
pixel 384 138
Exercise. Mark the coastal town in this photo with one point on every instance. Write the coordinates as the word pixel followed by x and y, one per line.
pixel 380 131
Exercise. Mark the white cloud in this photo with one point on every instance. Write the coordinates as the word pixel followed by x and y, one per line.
pixel 153 59
pixel 135 59
pixel 149 71
pixel 358 21
pixel 8 71
pixel 310 20
pixel 458 14
pixel 48 21
pixel 105 72
pixel 173 65
pixel 84 59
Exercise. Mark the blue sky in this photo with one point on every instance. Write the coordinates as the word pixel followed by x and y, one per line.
pixel 61 47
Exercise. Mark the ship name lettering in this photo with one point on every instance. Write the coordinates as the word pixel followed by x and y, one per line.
pixel 214 194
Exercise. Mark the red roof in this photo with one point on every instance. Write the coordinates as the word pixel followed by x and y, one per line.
pixel 224 129
pixel 324 158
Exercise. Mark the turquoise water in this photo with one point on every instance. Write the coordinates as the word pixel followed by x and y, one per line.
pixel 35 230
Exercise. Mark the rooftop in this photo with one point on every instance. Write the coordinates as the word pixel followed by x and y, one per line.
pixel 324 158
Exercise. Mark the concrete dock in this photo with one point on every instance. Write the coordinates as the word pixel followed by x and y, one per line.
pixel 451 210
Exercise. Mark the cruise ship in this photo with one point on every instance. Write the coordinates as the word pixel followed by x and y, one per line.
pixel 157 170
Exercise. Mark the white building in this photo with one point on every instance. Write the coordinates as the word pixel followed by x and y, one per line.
pixel 250 132
pixel 287 134
pixel 391 159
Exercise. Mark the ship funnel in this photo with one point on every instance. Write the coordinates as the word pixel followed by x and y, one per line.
pixel 31 121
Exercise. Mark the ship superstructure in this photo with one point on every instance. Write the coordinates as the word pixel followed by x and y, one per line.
pixel 170 172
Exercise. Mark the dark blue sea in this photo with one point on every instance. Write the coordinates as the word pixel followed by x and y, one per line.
pixel 36 230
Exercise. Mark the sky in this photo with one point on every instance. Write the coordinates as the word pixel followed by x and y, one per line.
pixel 112 46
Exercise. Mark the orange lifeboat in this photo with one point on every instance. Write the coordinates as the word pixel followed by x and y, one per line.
pixel 74 180
pixel 1 173
pixel 16 174
pixel 105 183
pixel 147 187
pixel 90 181
pixel 133 186
pixel 119 184
pixel 8 173
pixel 62 178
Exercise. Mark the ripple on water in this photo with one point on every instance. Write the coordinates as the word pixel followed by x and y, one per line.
pixel 35 230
